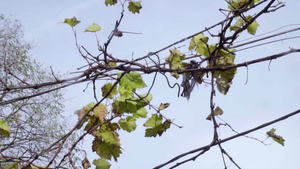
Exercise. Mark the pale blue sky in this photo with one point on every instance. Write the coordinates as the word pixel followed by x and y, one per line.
pixel 266 96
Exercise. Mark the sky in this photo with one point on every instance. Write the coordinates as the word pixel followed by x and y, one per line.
pixel 267 95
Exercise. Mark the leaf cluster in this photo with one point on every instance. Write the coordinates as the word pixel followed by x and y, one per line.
pixel 127 108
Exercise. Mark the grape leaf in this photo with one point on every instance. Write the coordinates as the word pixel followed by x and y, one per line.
pixel 275 137
pixel 122 106
pixel 143 102
pixel 252 28
pixel 217 111
pixel 125 93
pixel 200 43
pixel 106 150
pixel 142 112
pixel 223 86
pixel 158 130
pixel 106 88
pixel 110 137
pixel 224 80
pixel 163 106
pixel 82 112
pixel 110 2
pixel 101 164
pixel 153 121
pixel 175 59
pixel 72 21
pixel 112 64
pixel 132 81
pixel 239 23
pixel 93 28
pixel 128 124
pixel 4 129
pixel 174 74
pixel 100 111
pixel 14 165
pixel 134 6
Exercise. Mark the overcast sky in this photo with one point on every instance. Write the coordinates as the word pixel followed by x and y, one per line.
pixel 267 95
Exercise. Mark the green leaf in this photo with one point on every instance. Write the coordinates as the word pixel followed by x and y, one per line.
pixel 217 111
pixel 158 130
pixel 175 59
pixel 132 81
pixel 93 28
pixel 142 112
pixel 153 121
pixel 106 150
pixel 110 137
pixel 112 64
pixel 125 93
pixel 101 164
pixel 275 137
pixel 200 43
pixel 14 165
pixel 143 102
pixel 91 123
pixel 110 2
pixel 4 129
pixel 252 28
pixel 134 6
pixel 163 106
pixel 72 21
pixel 239 23
pixel 106 88
pixel 128 124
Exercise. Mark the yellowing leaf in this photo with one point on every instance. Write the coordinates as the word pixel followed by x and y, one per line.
pixel 110 2
pixel 100 111
pixel 93 28
pixel 72 21
pixel 86 163
pixel 174 74
pixel 163 106
pixel 275 137
pixel 200 43
pixel 218 111
pixel 101 164
pixel 194 41
pixel 134 6
pixel 4 129
pixel 175 59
